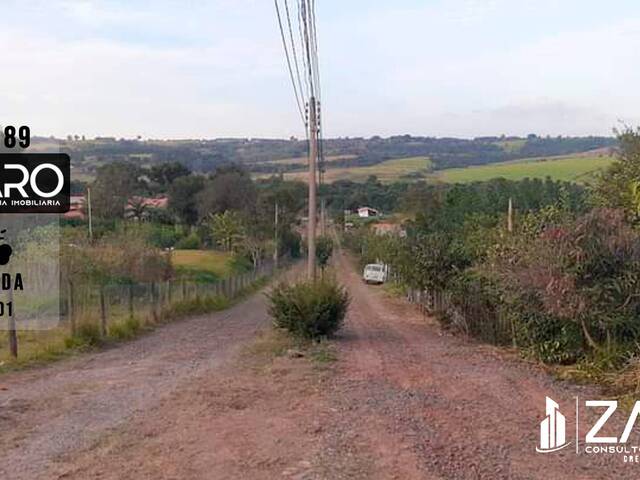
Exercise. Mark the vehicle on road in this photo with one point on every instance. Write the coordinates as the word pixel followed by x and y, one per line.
pixel 375 273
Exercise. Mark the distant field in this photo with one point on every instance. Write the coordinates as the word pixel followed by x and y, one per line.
pixel 388 171
pixel 579 168
pixel 576 168
pixel 303 160
pixel 201 265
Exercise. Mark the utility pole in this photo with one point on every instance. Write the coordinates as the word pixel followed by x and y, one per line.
pixel 89 212
pixel 510 216
pixel 275 252
pixel 313 155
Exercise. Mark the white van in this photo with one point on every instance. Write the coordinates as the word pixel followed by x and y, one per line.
pixel 375 273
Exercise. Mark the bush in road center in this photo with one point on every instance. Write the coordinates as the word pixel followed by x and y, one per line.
pixel 309 310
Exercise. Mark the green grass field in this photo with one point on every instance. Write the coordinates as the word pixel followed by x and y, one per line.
pixel 576 168
pixel 202 265
pixel 387 171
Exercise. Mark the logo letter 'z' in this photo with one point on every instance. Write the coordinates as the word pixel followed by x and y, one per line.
pixel 630 423
pixel 611 405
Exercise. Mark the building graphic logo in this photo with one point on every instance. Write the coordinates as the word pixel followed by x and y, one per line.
pixel 552 429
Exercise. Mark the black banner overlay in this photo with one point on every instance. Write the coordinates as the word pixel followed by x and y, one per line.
pixel 34 182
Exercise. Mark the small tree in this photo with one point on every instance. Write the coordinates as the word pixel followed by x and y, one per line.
pixel 227 229
pixel 324 250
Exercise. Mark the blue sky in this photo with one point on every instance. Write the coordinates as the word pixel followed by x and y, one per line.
pixel 196 69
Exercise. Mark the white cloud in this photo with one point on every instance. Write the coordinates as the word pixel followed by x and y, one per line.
pixel 191 69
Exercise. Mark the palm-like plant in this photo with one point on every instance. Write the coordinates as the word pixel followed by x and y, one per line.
pixel 137 209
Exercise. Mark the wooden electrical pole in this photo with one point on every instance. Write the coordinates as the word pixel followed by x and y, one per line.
pixel 313 155
pixel 510 216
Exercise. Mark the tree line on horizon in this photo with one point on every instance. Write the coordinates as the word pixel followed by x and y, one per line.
pixel 258 155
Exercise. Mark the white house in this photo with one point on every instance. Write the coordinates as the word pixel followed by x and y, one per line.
pixel 366 212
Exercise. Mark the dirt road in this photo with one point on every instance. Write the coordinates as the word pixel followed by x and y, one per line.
pixel 203 399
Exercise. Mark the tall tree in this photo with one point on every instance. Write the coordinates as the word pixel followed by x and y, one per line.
pixel 227 190
pixel 114 185
pixel 616 187
pixel 166 173
pixel 183 197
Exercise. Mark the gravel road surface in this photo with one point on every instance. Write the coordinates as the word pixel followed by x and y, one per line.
pixel 404 400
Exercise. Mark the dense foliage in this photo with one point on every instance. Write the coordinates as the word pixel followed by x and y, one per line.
pixel 563 284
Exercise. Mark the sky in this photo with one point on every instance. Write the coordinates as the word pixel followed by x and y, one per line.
pixel 216 68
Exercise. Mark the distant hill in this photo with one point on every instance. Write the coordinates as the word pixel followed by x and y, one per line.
pixel 270 156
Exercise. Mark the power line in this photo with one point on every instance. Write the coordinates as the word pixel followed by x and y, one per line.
pixel 286 52
pixel 316 60
pixel 318 90
pixel 304 58
pixel 293 48
pixel 307 45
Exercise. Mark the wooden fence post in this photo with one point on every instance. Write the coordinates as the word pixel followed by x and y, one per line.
pixel 131 300
pixel 103 313
pixel 154 311
pixel 13 334
pixel 71 308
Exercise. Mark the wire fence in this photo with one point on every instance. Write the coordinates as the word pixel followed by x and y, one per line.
pixel 469 314
pixel 102 305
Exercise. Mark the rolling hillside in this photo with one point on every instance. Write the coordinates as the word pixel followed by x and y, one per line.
pixel 578 168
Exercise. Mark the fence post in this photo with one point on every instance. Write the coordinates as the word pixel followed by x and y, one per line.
pixel 13 334
pixel 71 308
pixel 131 300
pixel 154 311
pixel 103 313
